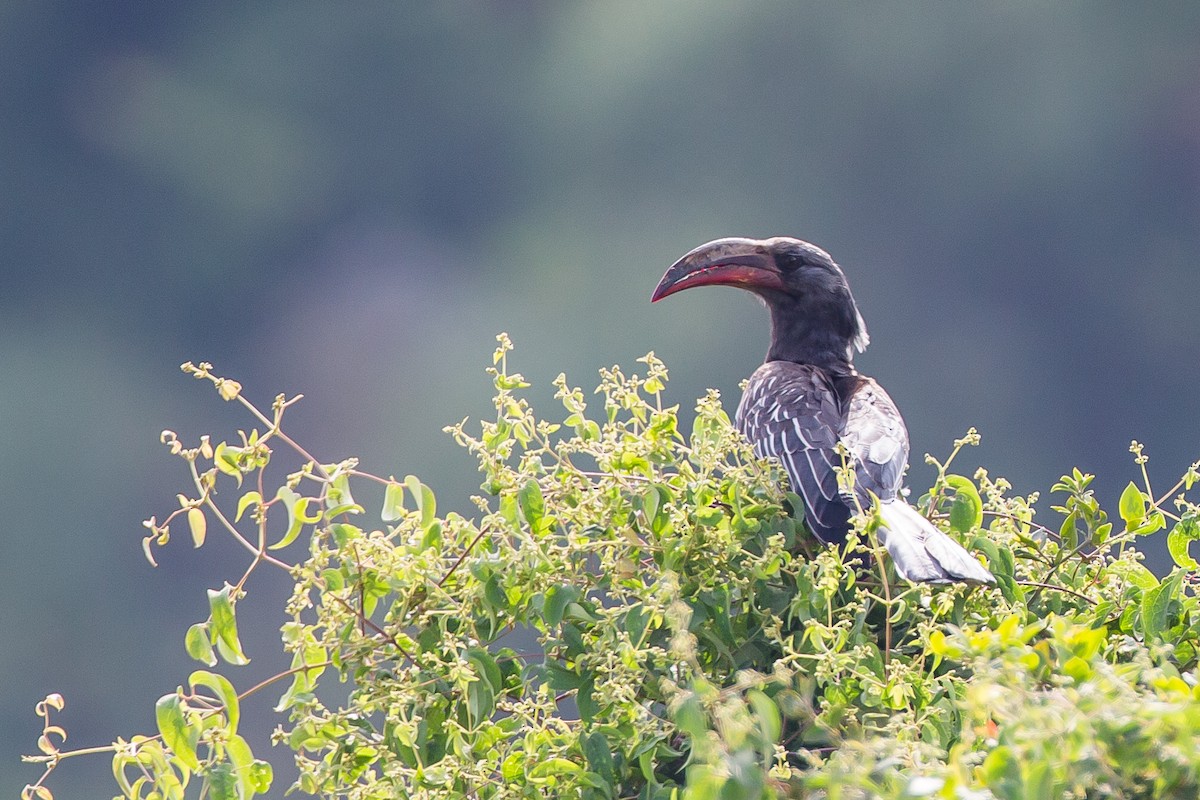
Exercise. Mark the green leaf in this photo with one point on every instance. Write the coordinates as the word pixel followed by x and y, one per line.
pixel 554 766
pixel 222 783
pixel 560 678
pixel 1155 604
pixel 224 691
pixel 690 717
pixel 298 515
pixel 1068 532
pixel 432 539
pixel 557 599
pixel 224 626
pixel 248 499
pixel 226 460
pixel 242 760
pixel 344 533
pixel 532 504
pixel 494 594
pixel 1134 573
pixel 333 579
pixel 585 700
pixel 177 734
pixel 481 702
pixel 513 768
pixel 770 721
pixel 997 766
pixel 636 620
pixel 393 502
pixel 1132 506
pixel 654 501
pixel 1154 522
pixel 589 431
pixel 599 755
pixel 966 509
pixel 1178 540
pixel 481 693
pixel 338 498
pixel 198 644
pixel 423 496
pixel 198 525
pixel 486 667
pixel 1077 668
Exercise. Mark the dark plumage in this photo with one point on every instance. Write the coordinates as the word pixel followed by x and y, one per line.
pixel 808 397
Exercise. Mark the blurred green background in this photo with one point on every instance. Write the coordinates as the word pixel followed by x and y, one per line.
pixel 350 199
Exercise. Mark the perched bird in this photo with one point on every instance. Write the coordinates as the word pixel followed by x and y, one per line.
pixel 808 397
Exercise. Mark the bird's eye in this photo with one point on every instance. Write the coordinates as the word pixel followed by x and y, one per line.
pixel 790 261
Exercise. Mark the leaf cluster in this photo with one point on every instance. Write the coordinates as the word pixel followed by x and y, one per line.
pixel 638 612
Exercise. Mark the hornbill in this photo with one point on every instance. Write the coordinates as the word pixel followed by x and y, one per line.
pixel 807 398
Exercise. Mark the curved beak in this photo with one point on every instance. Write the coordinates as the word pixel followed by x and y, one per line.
pixel 746 263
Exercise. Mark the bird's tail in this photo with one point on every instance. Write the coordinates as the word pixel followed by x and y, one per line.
pixel 922 553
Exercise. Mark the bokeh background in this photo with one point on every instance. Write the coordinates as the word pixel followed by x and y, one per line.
pixel 349 200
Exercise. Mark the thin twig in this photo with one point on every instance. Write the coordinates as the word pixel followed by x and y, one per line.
pixel 1040 585
pixel 462 557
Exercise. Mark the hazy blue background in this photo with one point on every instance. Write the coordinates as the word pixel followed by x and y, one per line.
pixel 350 199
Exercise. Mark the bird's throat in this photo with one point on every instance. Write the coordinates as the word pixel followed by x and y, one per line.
pixel 811 336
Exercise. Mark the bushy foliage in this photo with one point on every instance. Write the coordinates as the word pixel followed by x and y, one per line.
pixel 636 612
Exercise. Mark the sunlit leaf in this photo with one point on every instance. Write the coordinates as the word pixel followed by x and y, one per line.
pixel 532 504
pixel 1180 538
pixel 423 497
pixel 147 550
pixel 173 726
pixel 198 525
pixel 1132 506
pixel 224 626
pixel 298 515
pixel 1155 521
pixel 554 766
pixel 247 500
pixel 198 644
pixel 224 691
pixel 1155 605
pixel 966 508
pixel 339 500
pixel 393 502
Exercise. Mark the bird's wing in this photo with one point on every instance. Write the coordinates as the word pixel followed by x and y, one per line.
pixel 874 432
pixel 790 412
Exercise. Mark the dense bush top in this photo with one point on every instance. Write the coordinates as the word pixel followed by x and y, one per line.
pixel 635 612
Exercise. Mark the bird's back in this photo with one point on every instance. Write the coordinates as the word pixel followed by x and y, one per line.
pixel 798 413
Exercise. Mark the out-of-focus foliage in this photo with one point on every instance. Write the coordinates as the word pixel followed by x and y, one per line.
pixel 635 611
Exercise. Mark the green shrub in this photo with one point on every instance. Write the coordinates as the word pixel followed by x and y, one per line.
pixel 636 612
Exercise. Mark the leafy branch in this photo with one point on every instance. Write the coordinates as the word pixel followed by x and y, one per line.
pixel 636 611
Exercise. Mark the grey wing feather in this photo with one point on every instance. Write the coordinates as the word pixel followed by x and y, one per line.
pixel 874 432
pixel 790 412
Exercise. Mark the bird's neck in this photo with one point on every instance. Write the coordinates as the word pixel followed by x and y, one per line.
pixel 818 336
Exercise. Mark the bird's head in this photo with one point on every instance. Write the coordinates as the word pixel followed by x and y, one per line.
pixel 803 287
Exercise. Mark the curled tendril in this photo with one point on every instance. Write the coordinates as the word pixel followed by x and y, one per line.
pixel 46 744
